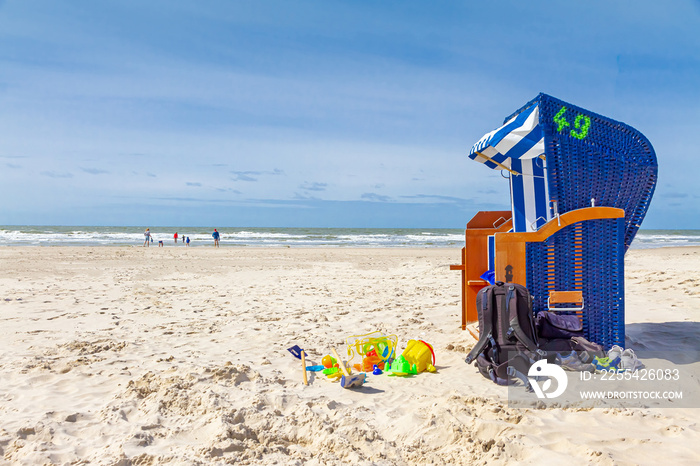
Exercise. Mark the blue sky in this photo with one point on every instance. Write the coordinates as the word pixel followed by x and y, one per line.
pixel 320 113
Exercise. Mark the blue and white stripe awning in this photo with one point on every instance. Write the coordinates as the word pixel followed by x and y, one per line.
pixel 518 147
pixel 520 138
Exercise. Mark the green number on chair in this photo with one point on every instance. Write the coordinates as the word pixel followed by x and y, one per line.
pixel 560 120
pixel 582 124
pixel 583 129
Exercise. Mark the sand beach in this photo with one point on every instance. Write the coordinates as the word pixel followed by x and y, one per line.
pixel 129 355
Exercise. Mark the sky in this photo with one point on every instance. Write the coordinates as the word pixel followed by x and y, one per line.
pixel 320 113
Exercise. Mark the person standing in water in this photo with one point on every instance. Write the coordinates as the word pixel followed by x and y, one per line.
pixel 216 236
pixel 175 236
pixel 147 237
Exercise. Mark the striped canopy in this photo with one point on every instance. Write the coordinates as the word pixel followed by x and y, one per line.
pixel 518 147
pixel 520 138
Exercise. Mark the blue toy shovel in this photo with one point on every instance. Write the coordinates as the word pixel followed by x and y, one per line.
pixel 296 351
pixel 299 354
pixel 347 380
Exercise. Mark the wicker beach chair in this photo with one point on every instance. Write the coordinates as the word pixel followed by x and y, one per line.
pixel 581 185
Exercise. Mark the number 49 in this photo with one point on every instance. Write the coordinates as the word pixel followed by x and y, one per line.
pixel 582 123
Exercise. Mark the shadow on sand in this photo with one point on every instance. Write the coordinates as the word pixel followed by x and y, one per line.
pixel 678 342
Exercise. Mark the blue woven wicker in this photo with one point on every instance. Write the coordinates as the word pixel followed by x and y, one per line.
pixel 613 163
pixel 589 257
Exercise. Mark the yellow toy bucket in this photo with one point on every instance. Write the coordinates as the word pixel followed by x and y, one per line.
pixel 421 354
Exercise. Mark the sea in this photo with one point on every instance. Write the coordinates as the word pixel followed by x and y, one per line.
pixel 26 235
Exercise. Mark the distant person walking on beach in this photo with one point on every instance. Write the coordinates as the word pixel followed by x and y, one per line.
pixel 175 236
pixel 216 235
pixel 188 241
pixel 147 237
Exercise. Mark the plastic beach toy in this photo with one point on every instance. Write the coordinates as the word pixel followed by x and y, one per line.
pixel 349 380
pixel 370 360
pixel 420 354
pixel 402 368
pixel 333 373
pixel 379 348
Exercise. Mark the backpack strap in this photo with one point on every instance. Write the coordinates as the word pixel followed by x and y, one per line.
pixel 485 324
pixel 513 372
pixel 512 306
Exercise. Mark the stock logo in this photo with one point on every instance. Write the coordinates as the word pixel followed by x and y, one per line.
pixel 551 371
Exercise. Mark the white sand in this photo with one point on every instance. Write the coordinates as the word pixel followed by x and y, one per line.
pixel 178 355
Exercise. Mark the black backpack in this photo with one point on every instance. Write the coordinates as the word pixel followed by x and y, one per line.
pixel 507 345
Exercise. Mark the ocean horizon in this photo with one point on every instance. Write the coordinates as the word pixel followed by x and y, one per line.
pixel 51 235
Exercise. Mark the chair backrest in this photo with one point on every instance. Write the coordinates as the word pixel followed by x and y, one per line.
pixel 588 157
